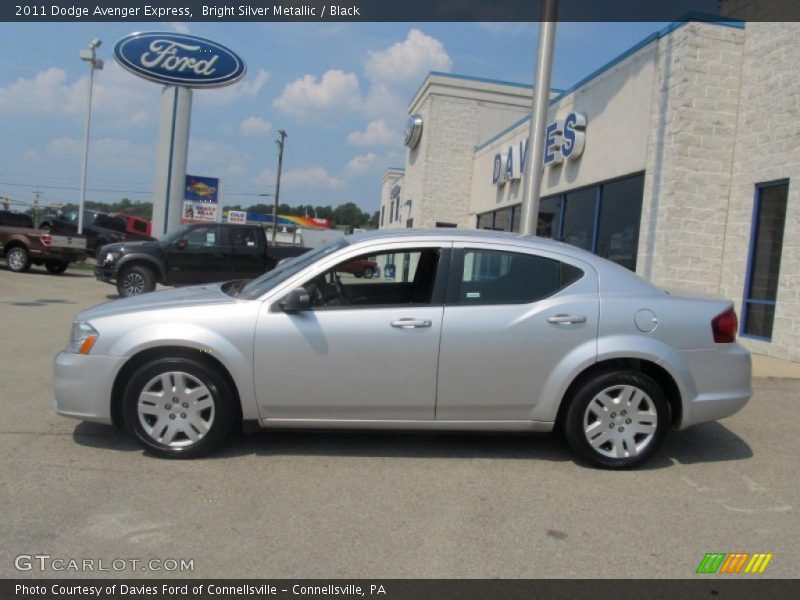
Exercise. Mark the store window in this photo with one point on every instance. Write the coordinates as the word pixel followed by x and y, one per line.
pixel 763 269
pixel 504 219
pixel 579 218
pixel 549 223
pixel 620 215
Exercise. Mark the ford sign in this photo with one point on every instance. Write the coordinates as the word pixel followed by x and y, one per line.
pixel 179 59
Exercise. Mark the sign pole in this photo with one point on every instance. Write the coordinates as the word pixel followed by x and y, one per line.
pixel 171 156
pixel 532 178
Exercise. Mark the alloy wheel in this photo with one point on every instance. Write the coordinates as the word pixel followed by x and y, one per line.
pixel 16 259
pixel 133 283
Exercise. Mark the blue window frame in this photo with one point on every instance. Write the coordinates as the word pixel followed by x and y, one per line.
pixel 764 259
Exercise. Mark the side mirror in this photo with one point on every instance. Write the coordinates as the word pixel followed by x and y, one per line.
pixel 181 244
pixel 297 300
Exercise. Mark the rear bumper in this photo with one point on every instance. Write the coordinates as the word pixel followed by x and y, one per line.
pixel 82 385
pixel 722 383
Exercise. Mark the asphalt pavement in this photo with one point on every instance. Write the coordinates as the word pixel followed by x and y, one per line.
pixel 299 504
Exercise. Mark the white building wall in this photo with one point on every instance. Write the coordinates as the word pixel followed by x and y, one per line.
pixel 767 149
pixel 689 157
pixel 617 109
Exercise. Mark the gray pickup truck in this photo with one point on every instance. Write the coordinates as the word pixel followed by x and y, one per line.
pixel 23 246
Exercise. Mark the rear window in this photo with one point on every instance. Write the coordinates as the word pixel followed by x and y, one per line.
pixel 140 226
pixel 14 219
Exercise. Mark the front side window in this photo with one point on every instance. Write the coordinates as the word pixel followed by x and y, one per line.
pixel 203 236
pixel 766 247
pixel 386 279
pixel 500 277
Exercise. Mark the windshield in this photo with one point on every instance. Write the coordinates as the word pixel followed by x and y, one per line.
pixel 174 235
pixel 287 269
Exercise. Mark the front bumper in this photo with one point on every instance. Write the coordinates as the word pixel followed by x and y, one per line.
pixel 82 385
pixel 105 272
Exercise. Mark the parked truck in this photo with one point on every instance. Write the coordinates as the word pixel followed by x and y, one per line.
pixel 22 245
pixel 192 254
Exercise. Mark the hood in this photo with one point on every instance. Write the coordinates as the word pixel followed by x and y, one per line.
pixel 199 295
pixel 130 246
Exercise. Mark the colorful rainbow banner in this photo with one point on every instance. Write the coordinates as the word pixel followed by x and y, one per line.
pixel 292 221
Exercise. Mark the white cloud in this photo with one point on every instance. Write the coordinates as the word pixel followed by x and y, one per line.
pixel 508 28
pixel 215 159
pixel 249 87
pixel 115 92
pixel 361 163
pixel 377 133
pixel 307 97
pixel 179 27
pixel 114 153
pixel 311 178
pixel 255 127
pixel 408 61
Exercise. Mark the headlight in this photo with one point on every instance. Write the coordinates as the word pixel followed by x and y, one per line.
pixel 111 257
pixel 82 338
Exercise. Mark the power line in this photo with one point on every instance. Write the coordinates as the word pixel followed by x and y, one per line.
pixel 67 187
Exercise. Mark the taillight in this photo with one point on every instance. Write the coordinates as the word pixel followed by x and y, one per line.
pixel 724 327
pixel 46 239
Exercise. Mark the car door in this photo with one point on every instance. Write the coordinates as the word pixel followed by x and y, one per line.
pixel 371 354
pixel 246 258
pixel 199 256
pixel 513 319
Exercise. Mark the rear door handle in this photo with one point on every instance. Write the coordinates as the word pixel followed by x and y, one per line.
pixel 410 324
pixel 566 319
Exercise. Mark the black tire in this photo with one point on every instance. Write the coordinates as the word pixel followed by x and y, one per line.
pixel 135 280
pixel 578 416
pixel 219 392
pixel 56 267
pixel 368 272
pixel 18 259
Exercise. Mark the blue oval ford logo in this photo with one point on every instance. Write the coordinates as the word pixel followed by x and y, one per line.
pixel 179 59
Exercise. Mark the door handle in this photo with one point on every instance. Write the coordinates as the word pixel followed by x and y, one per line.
pixel 410 324
pixel 566 319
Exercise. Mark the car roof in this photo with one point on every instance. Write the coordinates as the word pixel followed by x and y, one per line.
pixel 611 274
pixel 474 235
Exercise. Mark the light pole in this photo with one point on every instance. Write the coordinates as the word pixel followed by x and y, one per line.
pixel 88 55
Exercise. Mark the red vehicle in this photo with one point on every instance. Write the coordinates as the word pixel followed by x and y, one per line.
pixel 135 225
pixel 361 267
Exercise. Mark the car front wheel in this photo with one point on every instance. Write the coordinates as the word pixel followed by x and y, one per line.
pixel 178 408
pixel 135 280
pixel 617 420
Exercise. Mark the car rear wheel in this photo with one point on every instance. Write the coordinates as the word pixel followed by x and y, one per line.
pixel 56 267
pixel 18 260
pixel 368 273
pixel 135 280
pixel 617 420
pixel 178 408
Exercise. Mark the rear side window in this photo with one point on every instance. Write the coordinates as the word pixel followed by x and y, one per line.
pixel 12 219
pixel 140 226
pixel 499 277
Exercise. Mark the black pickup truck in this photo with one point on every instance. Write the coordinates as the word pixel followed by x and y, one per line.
pixel 197 253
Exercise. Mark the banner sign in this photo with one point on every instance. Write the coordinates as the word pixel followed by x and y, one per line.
pixel 237 216
pixel 292 221
pixel 200 195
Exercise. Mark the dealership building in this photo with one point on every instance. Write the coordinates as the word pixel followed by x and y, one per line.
pixel 679 159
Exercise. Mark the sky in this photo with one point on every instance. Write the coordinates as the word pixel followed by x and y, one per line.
pixel 340 90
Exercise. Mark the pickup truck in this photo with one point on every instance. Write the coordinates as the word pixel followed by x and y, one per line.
pixel 99 228
pixel 22 245
pixel 192 254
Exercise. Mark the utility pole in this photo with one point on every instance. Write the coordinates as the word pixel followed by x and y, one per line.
pixel 532 178
pixel 36 208
pixel 280 144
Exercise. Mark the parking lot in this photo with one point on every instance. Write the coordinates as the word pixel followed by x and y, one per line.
pixel 298 504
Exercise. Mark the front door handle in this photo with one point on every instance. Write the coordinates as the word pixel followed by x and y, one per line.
pixel 566 319
pixel 410 324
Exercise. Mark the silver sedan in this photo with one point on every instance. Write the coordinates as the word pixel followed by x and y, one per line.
pixel 470 331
